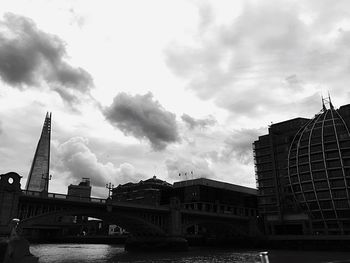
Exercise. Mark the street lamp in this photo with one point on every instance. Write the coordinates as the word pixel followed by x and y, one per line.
pixel 110 187
pixel 47 177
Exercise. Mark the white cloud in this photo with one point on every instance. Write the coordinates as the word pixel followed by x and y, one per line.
pixel 181 168
pixel 75 159
pixel 245 63
pixel 266 58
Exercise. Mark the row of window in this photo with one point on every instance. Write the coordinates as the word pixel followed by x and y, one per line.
pixel 333 168
pixel 317 155
pixel 314 148
pixel 333 175
pixel 318 186
pixel 330 214
pixel 324 195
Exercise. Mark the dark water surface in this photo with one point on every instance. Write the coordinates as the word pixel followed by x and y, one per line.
pixel 74 253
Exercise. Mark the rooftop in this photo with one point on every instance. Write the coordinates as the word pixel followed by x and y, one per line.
pixel 153 181
pixel 216 184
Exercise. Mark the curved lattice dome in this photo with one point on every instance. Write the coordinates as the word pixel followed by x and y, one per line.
pixel 319 170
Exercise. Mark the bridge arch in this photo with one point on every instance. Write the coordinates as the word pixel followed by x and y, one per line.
pixel 134 224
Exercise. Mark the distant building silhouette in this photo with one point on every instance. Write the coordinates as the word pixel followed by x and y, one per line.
pixel 147 192
pixel 38 178
pixel 80 191
pixel 303 174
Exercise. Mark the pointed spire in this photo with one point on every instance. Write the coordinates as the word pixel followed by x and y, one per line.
pixel 330 102
pixel 38 177
pixel 323 106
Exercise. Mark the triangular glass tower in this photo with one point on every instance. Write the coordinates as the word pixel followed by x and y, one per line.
pixel 38 178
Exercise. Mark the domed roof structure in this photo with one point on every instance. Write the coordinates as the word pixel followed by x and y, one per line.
pixel 319 169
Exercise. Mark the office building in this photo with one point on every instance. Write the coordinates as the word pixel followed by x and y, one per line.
pixel 303 174
pixel 214 196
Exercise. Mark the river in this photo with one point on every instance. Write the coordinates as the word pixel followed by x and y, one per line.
pixel 74 253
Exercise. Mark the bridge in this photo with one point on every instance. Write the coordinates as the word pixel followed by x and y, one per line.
pixel 146 223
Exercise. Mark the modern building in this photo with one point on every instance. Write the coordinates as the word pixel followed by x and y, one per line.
pixel 148 192
pixel 303 174
pixel 214 196
pixel 198 194
pixel 82 191
pixel 38 178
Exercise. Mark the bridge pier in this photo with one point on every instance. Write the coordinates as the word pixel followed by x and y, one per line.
pixel 10 190
pixel 175 226
pixel 174 241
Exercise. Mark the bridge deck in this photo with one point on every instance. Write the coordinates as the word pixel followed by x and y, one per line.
pixel 185 208
pixel 92 200
pixel 62 197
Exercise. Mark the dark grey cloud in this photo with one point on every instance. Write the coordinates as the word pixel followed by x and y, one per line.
pixel 75 158
pixel 238 145
pixel 292 80
pixel 30 57
pixel 267 57
pixel 201 123
pixel 143 117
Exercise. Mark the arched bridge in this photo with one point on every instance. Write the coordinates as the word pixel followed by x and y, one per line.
pixel 172 220
pixel 36 207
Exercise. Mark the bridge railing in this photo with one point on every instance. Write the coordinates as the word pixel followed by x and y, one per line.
pixel 63 196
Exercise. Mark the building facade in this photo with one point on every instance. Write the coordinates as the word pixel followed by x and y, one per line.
pixel 148 192
pixel 303 173
pixel 198 194
pixel 82 190
pixel 214 196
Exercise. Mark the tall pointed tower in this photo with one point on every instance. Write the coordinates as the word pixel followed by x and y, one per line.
pixel 38 178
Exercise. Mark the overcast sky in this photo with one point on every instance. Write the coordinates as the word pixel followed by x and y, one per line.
pixel 143 88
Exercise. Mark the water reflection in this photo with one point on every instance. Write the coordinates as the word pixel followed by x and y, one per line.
pixel 74 253
pixel 64 253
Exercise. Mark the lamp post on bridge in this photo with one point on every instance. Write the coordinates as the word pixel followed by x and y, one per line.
pixel 47 177
pixel 110 187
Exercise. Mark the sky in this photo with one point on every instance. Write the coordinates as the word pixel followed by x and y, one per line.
pixel 161 88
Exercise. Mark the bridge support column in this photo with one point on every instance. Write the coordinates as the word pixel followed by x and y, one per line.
pixel 10 190
pixel 175 228
pixel 174 241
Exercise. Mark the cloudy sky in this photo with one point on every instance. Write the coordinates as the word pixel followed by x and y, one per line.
pixel 143 88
